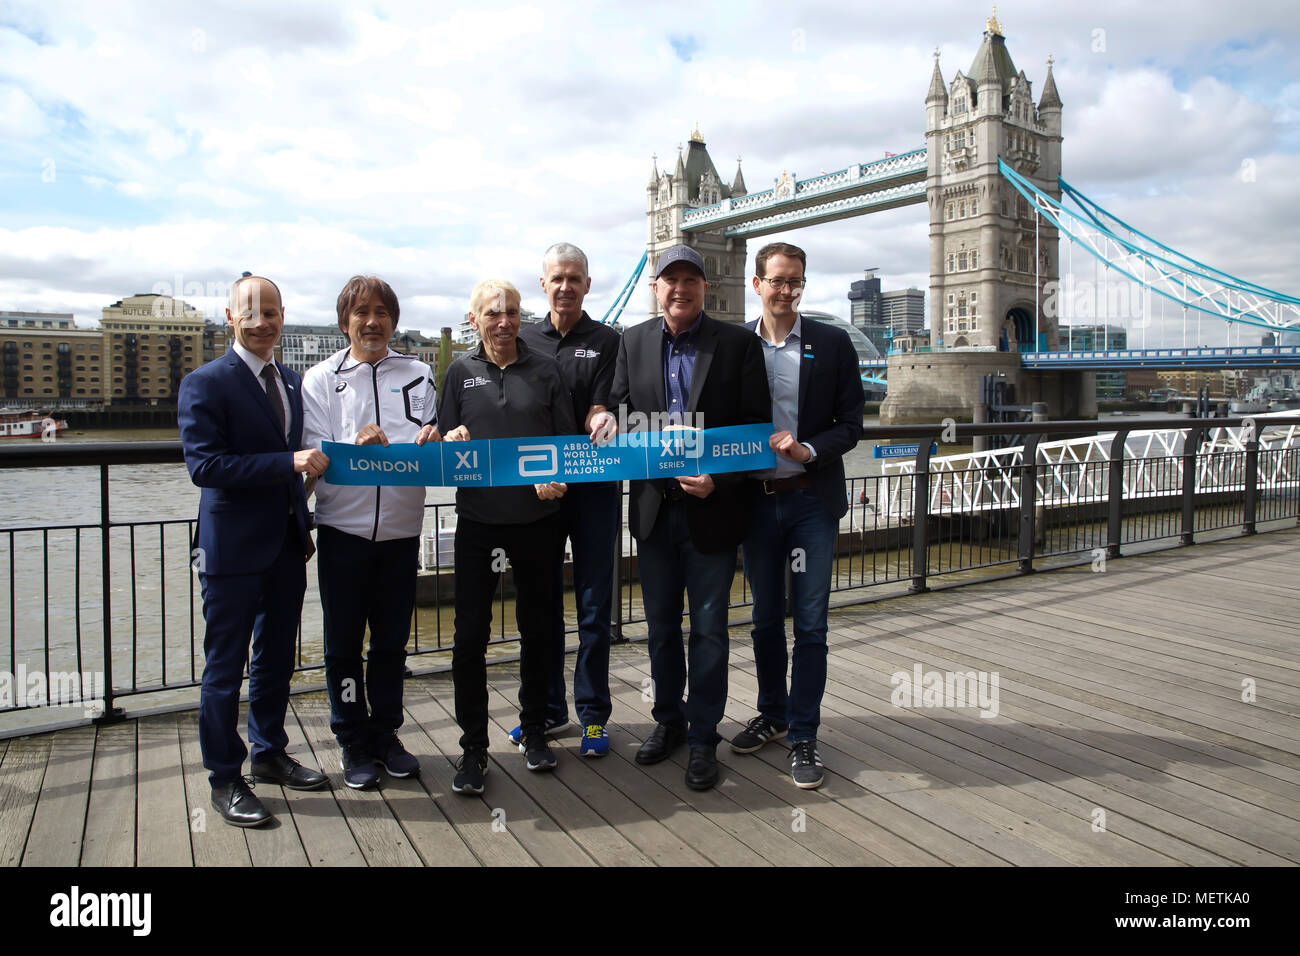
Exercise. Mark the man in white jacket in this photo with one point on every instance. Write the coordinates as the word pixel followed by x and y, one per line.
pixel 368 537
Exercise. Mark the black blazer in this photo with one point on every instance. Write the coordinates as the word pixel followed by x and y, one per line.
pixel 830 407
pixel 728 387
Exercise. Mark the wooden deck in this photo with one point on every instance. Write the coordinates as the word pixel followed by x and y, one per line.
pixel 1121 739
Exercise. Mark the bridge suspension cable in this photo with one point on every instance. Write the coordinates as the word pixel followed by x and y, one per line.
pixel 1155 266
pixel 625 294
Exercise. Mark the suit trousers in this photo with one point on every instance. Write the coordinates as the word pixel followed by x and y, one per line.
pixel 268 606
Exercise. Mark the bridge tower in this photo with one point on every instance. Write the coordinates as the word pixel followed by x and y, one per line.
pixel 985 306
pixel 983 235
pixel 694 182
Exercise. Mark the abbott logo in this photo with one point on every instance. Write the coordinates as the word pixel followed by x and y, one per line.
pixel 540 465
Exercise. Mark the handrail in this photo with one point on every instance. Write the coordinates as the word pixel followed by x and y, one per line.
pixel 990 514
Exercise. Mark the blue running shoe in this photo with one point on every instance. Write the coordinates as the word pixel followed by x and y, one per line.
pixel 553 726
pixel 595 741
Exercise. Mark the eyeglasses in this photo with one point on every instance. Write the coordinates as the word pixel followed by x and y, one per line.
pixel 794 285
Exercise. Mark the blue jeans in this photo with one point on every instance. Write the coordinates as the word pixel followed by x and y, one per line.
pixel 669 563
pixel 781 523
pixel 590 516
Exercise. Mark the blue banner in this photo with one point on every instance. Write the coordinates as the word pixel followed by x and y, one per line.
pixel 568 458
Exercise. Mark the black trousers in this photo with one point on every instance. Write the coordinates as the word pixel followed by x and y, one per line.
pixel 481 552
pixel 364 582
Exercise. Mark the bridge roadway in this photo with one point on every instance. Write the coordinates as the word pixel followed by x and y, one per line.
pixel 1119 692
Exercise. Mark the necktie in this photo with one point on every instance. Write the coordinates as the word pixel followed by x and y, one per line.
pixel 273 394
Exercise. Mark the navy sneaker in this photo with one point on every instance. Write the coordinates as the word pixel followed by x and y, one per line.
pixel 537 754
pixel 359 770
pixel 471 769
pixel 806 765
pixel 595 741
pixel 392 756
pixel 758 732
pixel 553 726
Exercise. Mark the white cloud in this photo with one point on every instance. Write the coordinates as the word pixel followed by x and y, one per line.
pixel 436 146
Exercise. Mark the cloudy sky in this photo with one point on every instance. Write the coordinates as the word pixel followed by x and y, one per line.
pixel 155 146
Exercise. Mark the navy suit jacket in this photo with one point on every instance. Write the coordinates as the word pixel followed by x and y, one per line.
pixel 830 407
pixel 728 387
pixel 237 454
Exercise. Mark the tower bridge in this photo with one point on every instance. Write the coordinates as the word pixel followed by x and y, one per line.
pixel 990 177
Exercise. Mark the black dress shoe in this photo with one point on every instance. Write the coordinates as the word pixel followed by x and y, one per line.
pixel 702 768
pixel 287 772
pixel 661 742
pixel 237 805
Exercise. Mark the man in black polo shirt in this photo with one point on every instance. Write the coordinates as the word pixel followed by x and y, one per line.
pixel 503 389
pixel 590 512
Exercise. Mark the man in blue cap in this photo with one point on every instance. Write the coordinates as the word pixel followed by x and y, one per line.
pixel 705 373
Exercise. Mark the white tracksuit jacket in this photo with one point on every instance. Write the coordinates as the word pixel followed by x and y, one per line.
pixel 341 396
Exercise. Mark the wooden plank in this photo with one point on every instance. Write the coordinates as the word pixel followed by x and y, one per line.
pixel 1210 825
pixel 511 805
pixel 556 794
pixel 1173 709
pixel 1139 822
pixel 1029 809
pixel 470 815
pixel 377 833
pixel 213 842
pixel 163 827
pixel 60 821
pixel 1155 753
pixel 431 834
pixel 774 799
pixel 20 786
pixel 1149 652
pixel 111 810
pixel 309 825
pixel 1061 652
pixel 929 833
pixel 655 842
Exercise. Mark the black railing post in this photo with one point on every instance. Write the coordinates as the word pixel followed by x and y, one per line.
pixel 1115 495
pixel 1028 504
pixel 920 518
pixel 111 714
pixel 1252 486
pixel 616 627
pixel 1191 452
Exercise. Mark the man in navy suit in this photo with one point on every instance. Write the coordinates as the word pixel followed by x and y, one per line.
pixel 812 372
pixel 241 426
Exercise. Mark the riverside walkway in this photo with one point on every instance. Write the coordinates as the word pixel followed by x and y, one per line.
pixel 1121 738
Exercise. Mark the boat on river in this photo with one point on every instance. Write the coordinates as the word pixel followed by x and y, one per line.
pixel 30 423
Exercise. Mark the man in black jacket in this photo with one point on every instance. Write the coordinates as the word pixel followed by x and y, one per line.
pixel 709 374
pixel 817 400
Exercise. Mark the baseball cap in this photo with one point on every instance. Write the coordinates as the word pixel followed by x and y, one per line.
pixel 679 253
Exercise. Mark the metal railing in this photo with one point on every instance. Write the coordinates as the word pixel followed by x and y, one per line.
pixel 111 609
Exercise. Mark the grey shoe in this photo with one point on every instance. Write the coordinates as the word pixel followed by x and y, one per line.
pixel 806 765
